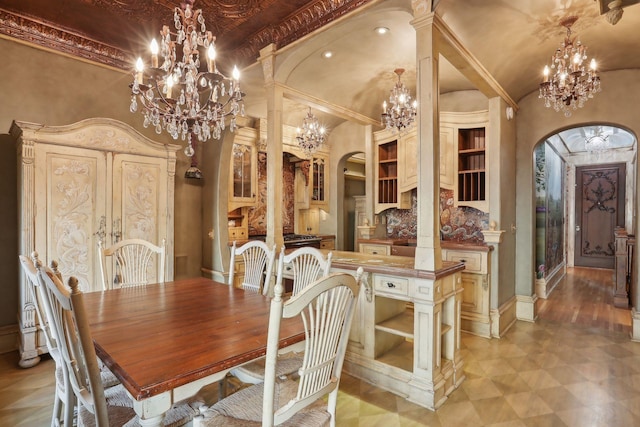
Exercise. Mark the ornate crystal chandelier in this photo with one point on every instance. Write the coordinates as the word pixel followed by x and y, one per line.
pixel 179 95
pixel 400 112
pixel 312 134
pixel 570 84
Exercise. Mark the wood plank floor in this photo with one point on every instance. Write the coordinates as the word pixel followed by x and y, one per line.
pixel 585 297
pixel 574 367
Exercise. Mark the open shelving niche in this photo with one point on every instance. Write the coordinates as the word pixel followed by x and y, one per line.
pixel 394 333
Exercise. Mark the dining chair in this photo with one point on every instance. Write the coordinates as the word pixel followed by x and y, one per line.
pixel 64 400
pixel 326 308
pixel 258 265
pixel 304 265
pixel 96 405
pixel 133 259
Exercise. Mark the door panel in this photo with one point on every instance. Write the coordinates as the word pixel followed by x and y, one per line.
pixel 600 198
pixel 72 180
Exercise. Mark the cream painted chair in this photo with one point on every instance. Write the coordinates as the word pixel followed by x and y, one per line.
pixel 64 400
pixel 327 307
pixel 97 406
pixel 133 258
pixel 258 265
pixel 304 266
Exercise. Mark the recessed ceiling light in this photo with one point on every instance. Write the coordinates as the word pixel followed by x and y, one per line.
pixel 327 54
pixel 381 30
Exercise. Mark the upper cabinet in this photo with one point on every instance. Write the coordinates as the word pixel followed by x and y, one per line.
pixel 243 171
pixel 463 148
pixel 396 172
pixel 318 196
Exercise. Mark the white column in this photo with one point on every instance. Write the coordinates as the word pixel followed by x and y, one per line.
pixel 428 252
pixel 274 147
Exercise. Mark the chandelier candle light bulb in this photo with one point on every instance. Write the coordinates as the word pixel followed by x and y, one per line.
pixel 154 53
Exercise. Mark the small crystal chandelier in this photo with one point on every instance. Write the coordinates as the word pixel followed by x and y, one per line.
pixel 597 143
pixel 177 95
pixel 400 112
pixel 312 134
pixel 571 84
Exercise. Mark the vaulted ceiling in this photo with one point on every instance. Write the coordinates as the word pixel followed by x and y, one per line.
pixel 511 39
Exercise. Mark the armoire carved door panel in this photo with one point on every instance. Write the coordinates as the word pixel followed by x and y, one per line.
pixel 139 202
pixel 73 181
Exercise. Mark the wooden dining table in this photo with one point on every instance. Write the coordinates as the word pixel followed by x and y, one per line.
pixel 166 341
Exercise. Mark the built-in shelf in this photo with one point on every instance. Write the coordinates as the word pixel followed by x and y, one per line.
pixel 471 165
pixel 400 356
pixel 402 325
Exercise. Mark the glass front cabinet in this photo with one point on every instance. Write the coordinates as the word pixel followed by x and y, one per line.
pixel 318 187
pixel 243 171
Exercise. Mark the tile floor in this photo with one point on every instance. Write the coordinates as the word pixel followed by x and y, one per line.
pixel 549 373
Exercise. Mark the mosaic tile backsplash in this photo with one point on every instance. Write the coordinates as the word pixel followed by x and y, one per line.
pixel 257 216
pixel 460 224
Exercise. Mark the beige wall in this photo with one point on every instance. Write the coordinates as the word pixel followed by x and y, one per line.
pixel 617 105
pixel 41 87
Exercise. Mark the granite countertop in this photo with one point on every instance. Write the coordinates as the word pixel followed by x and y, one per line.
pixel 443 244
pixel 389 264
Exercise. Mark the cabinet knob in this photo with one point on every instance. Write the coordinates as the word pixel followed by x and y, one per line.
pixel 391 285
pixel 374 253
pixel 463 261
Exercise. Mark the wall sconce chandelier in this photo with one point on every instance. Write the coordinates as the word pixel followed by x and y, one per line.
pixel 311 135
pixel 569 85
pixel 401 111
pixel 177 95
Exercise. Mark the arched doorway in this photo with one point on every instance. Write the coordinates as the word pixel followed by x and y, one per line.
pixel 584 188
pixel 354 170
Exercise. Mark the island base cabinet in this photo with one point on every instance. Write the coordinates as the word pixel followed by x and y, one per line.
pixel 413 325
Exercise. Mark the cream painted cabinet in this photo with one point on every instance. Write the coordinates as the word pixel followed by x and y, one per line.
pixel 243 178
pixel 374 248
pixel 318 183
pixel 447 164
pixel 463 150
pixel 476 289
pixel 396 169
pixel 95 179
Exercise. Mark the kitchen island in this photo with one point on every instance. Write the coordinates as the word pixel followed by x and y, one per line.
pixel 405 336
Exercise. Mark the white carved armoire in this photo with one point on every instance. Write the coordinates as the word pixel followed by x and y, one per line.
pixel 95 179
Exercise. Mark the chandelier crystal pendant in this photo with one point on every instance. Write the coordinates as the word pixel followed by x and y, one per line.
pixel 312 135
pixel 567 84
pixel 184 96
pixel 400 112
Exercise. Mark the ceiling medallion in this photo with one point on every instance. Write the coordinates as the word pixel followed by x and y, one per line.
pixel 401 111
pixel 569 85
pixel 183 95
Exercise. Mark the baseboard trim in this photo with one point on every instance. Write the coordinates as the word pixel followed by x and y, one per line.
pixel 635 325
pixel 503 318
pixel 526 308
pixel 8 338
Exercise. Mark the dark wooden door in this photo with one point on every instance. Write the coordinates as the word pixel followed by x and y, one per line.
pixel 600 197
